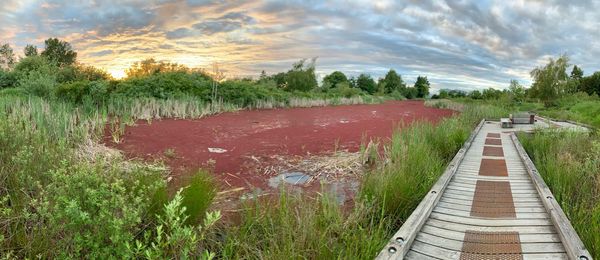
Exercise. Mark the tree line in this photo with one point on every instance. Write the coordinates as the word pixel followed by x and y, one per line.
pixel 55 72
pixel 550 82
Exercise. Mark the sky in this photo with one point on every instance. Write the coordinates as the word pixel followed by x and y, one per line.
pixel 457 44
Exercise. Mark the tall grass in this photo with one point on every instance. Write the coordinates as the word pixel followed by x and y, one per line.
pixel 569 162
pixel 294 227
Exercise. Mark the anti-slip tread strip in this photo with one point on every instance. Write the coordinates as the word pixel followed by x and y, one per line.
pixel 493 135
pixel 493 141
pixel 493 199
pixel 493 167
pixel 491 245
pixel 493 151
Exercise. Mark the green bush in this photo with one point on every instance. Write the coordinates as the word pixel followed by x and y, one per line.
pixel 166 85
pixel 172 238
pixel 73 91
pixel 79 91
pixel 247 93
pixel 38 83
pixel 7 79
pixel 344 90
pixel 32 64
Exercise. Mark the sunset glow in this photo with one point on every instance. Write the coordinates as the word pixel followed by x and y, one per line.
pixel 461 45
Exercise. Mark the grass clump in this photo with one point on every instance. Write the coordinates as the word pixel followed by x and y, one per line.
pixel 198 196
pixel 569 162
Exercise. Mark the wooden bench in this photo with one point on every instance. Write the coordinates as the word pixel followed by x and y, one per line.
pixel 522 118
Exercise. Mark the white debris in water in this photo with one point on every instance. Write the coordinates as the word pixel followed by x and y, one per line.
pixel 216 150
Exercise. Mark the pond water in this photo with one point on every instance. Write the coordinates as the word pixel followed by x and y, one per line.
pixel 294 178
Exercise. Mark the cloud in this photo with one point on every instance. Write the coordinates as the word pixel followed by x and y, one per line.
pixel 100 53
pixel 212 27
pixel 460 44
pixel 179 33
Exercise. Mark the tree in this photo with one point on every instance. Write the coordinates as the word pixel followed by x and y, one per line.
pixel 7 57
pixel 302 76
pixel 576 73
pixel 491 93
pixel 336 77
pixel 263 76
pixel 393 82
pixel 422 87
pixel 279 79
pixel 30 50
pixel 549 80
pixel 91 73
pixel 591 83
pixel 444 93
pixel 352 82
pixel 574 82
pixel 150 67
pixel 380 86
pixel 59 52
pixel 411 93
pixel 516 91
pixel 475 94
pixel 366 83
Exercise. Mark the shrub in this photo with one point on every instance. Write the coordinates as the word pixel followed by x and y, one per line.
pixel 246 93
pixel 98 91
pixel 7 79
pixel 73 91
pixel 31 64
pixel 172 238
pixel 38 83
pixel 344 90
pixel 166 85
pixel 78 91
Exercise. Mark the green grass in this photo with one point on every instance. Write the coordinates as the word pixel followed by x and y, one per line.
pixel 198 194
pixel 569 162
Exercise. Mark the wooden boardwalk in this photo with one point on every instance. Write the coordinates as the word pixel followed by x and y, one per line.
pixel 490 203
